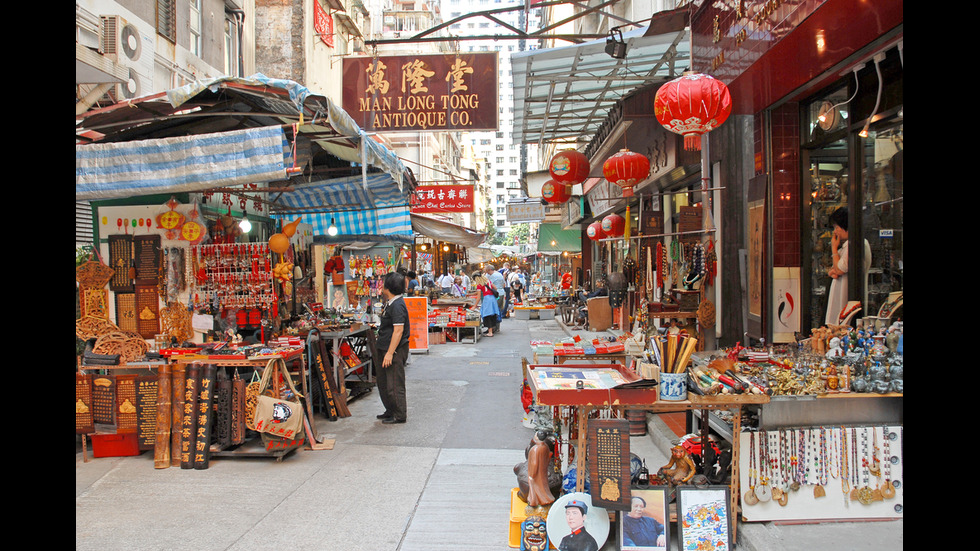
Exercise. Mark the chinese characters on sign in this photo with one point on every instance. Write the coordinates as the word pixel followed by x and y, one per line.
pixel 443 198
pixel 422 93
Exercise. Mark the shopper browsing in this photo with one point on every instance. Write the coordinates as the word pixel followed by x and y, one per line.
pixel 393 333
pixel 489 311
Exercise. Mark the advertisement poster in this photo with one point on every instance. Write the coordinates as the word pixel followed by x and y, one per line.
pixel 418 319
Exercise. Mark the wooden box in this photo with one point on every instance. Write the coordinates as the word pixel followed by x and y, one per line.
pixel 593 397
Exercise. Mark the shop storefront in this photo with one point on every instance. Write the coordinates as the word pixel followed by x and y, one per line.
pixel 727 249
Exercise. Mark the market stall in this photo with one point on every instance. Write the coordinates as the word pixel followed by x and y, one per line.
pixel 209 251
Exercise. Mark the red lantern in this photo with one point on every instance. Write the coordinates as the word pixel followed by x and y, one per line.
pixel 569 167
pixel 554 192
pixel 594 231
pixel 613 225
pixel 626 169
pixel 691 105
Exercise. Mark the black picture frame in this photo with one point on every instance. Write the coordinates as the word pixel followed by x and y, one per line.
pixel 704 515
pixel 656 501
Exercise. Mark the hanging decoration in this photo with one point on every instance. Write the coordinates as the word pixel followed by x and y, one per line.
pixel 556 193
pixel 569 167
pixel 170 220
pixel 626 169
pixel 193 230
pixel 613 225
pixel 594 231
pixel 691 105
pixel 279 242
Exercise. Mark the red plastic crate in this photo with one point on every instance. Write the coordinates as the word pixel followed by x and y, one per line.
pixel 115 445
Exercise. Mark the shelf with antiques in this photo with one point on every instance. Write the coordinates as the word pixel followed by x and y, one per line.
pixel 580 395
pixel 189 407
pixel 827 445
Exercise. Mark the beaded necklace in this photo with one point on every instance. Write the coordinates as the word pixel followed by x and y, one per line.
pixel 888 490
pixel 750 498
pixel 821 469
pixel 844 476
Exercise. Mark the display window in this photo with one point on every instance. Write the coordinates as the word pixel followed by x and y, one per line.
pixel 852 158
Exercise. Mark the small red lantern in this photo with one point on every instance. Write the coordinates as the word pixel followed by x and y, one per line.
pixel 569 167
pixel 594 231
pixel 691 105
pixel 626 169
pixel 555 192
pixel 613 225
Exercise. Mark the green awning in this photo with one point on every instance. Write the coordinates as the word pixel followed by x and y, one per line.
pixel 565 240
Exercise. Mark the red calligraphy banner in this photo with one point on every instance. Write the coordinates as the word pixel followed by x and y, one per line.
pixel 443 198
pixel 323 23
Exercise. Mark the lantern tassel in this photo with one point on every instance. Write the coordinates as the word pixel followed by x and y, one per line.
pixel 692 142
pixel 626 228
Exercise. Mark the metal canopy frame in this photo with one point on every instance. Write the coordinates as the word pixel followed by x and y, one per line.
pixel 519 34
pixel 563 94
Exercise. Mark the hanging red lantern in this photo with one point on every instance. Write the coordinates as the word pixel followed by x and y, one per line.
pixel 555 192
pixel 613 225
pixel 626 169
pixel 594 231
pixel 691 105
pixel 569 167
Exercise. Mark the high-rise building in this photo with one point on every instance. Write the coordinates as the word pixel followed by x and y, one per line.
pixel 506 161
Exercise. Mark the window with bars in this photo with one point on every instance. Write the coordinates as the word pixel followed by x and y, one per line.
pixel 167 19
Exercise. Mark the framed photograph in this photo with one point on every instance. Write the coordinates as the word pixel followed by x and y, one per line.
pixel 646 527
pixel 575 523
pixel 337 297
pixel 703 518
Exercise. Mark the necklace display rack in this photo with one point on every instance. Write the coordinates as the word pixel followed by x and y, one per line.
pixel 822 473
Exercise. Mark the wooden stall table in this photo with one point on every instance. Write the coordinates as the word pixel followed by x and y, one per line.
pixel 253 448
pixel 356 373
pixel 602 358
pixel 583 401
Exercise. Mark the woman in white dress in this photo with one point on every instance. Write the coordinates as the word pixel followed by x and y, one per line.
pixel 837 297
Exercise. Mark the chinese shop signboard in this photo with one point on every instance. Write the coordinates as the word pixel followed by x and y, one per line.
pixel 421 93
pixel 442 198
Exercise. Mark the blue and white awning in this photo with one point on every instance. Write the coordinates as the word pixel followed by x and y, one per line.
pixel 179 164
pixel 359 207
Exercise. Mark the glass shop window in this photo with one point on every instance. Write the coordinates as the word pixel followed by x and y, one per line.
pixel 884 216
pixel 828 177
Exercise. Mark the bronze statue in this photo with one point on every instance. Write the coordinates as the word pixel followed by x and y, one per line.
pixel 538 481
pixel 683 467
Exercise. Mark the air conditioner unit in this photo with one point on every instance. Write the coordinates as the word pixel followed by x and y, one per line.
pixel 128 45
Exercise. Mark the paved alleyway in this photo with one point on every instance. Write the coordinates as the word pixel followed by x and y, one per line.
pixel 442 481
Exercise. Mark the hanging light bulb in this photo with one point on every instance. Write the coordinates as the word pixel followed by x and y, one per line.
pixel 332 230
pixel 878 59
pixel 245 224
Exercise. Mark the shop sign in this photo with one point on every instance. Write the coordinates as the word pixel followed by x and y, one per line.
pixel 422 93
pixel 571 212
pixel 443 198
pixel 323 24
pixel 602 197
pixel 525 212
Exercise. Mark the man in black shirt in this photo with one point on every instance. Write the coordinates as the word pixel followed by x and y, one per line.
pixel 393 343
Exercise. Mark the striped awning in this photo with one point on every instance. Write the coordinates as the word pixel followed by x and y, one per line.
pixel 364 208
pixel 179 164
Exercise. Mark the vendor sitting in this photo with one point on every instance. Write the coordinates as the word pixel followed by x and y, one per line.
pixel 457 289
pixel 583 312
